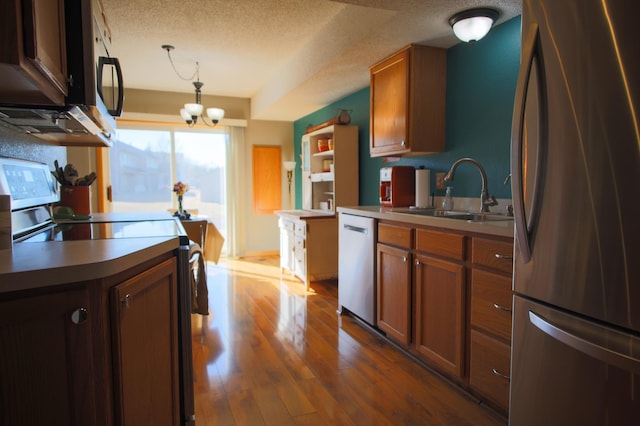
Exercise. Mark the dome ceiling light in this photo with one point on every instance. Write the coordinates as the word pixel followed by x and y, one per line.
pixel 473 24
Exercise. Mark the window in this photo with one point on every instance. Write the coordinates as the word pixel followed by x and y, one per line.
pixel 147 160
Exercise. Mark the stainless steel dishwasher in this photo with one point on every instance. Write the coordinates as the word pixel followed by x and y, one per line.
pixel 357 266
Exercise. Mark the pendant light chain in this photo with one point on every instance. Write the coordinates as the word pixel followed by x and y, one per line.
pixel 192 111
pixel 196 73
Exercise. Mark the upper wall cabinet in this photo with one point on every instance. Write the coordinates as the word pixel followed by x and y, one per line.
pixel 408 92
pixel 33 60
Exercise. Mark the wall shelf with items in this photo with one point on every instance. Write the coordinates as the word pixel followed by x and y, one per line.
pixel 330 176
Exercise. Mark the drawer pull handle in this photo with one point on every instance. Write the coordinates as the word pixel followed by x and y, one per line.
pixel 503 257
pixel 497 373
pixel 502 308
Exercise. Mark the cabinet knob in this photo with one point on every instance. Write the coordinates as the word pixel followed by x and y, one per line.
pixel 417 262
pixel 79 316
pixel 404 258
pixel 402 143
pixel 126 300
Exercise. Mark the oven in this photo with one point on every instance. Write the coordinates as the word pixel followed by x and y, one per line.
pixel 27 192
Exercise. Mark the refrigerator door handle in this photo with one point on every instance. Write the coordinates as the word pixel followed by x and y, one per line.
pixel 607 355
pixel 523 224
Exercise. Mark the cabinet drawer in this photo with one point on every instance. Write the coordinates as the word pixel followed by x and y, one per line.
pixel 300 243
pixel 286 225
pixel 301 229
pixel 491 301
pixel 490 369
pixel 440 243
pixel 493 254
pixel 394 235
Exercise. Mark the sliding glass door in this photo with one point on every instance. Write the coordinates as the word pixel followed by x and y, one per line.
pixel 146 161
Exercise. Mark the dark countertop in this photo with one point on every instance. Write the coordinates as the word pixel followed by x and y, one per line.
pixel 34 265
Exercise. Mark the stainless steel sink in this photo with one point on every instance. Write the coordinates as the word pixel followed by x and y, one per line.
pixel 459 215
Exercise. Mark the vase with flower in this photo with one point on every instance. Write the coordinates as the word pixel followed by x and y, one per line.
pixel 180 189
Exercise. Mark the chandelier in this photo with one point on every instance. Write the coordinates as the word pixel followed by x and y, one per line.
pixel 192 111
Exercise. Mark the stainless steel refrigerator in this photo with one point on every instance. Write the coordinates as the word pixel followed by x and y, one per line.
pixel 576 192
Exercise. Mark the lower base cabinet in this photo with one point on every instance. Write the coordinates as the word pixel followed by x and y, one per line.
pixel 439 314
pixel 46 355
pixel 394 293
pixel 309 247
pixel 446 296
pixel 145 335
pixel 101 352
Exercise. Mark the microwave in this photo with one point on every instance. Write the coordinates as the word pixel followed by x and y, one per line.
pixel 94 84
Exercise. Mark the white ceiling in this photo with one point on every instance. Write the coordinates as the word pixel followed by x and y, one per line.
pixel 290 57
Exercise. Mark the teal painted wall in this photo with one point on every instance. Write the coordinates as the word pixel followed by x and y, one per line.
pixel 481 82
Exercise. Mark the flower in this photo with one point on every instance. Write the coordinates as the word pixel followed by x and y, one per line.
pixel 180 188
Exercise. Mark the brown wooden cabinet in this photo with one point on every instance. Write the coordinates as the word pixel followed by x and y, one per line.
pixel 408 92
pixel 33 58
pixel 394 286
pixel 394 292
pixel 490 336
pixel 145 336
pixel 99 352
pixel 440 300
pixel 46 355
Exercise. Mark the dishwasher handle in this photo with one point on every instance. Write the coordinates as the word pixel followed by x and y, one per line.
pixel 356 229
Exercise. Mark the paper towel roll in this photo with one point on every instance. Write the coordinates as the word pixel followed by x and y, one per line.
pixel 423 186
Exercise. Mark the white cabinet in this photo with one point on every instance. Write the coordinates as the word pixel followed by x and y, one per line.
pixel 309 237
pixel 287 241
pixel 330 178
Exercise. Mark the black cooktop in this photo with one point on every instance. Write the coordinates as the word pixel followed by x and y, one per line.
pixel 70 231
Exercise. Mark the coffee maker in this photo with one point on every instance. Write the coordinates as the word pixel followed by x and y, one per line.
pixel 397 186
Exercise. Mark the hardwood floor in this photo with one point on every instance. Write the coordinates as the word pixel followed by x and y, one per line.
pixel 271 354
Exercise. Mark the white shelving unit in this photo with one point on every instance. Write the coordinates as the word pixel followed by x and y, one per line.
pixel 338 187
pixel 309 237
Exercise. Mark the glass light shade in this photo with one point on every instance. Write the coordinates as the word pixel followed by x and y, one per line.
pixel 193 109
pixel 215 114
pixel 289 165
pixel 472 28
pixel 185 115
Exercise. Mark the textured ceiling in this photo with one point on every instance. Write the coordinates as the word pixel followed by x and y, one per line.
pixel 290 57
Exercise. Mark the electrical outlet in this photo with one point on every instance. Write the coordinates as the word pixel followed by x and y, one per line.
pixel 440 180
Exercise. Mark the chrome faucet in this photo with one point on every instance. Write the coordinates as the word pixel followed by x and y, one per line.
pixel 486 200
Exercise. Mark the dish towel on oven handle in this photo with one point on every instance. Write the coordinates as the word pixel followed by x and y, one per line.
pixel 198 270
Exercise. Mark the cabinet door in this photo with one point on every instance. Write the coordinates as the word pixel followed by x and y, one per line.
pixel 389 105
pixel 146 347
pixel 394 293
pixel 46 360
pixel 34 47
pixel 440 313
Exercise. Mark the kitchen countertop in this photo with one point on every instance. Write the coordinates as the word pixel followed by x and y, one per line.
pixel 502 228
pixel 33 265
pixel 305 214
